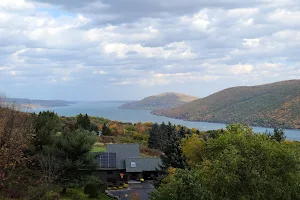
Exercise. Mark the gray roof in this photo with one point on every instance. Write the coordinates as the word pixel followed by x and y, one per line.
pixel 142 164
pixel 123 151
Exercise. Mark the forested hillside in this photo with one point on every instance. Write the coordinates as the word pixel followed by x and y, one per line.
pixel 270 105
pixel 165 100
pixel 29 103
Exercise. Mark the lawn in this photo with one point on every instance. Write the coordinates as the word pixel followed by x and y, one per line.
pixel 99 149
pixel 77 193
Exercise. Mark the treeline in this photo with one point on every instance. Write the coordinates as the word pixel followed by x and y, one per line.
pixel 235 163
pixel 40 153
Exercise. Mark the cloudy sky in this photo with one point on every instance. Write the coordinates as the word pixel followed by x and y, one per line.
pixel 129 49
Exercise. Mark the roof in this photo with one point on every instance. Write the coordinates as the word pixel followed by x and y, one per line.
pixel 142 164
pixel 123 151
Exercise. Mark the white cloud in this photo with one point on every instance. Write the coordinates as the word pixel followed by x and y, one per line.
pixel 241 69
pixel 16 5
pixel 285 17
pixel 149 43
pixel 252 43
pixel 200 20
pixel 179 50
pixel 99 72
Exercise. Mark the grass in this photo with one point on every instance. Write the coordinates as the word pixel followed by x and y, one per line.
pixel 98 149
pixel 77 193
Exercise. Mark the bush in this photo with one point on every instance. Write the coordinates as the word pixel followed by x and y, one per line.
pixel 94 188
pixel 51 196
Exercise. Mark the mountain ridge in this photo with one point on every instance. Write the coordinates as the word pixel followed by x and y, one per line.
pixel 164 100
pixel 268 105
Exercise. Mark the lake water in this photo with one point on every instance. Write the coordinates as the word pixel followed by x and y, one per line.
pixel 111 111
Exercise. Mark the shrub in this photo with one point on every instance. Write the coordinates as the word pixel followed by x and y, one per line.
pixel 51 196
pixel 94 188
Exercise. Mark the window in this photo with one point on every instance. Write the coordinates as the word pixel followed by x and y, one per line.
pixel 132 164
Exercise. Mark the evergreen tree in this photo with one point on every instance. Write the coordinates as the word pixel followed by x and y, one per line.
pixel 153 141
pixel 181 132
pixel 83 121
pixel 172 156
pixel 86 122
pixel 105 130
pixel 46 125
pixel 278 135
pixel 162 135
pixel 73 155
pixel 189 132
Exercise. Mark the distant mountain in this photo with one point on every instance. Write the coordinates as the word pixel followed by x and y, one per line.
pixel 165 100
pixel 28 103
pixel 270 105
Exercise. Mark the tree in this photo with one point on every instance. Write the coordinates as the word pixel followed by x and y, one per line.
pixel 93 127
pixel 83 121
pixel 16 133
pixel 241 164
pixel 172 156
pixel 153 141
pixel 74 156
pixel 278 135
pixel 181 184
pixel 46 125
pixel 105 130
pixel 192 147
pixel 181 132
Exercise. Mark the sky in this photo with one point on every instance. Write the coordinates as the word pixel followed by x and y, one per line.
pixel 130 49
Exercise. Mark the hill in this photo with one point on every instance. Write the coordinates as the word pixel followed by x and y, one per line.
pixel 270 105
pixel 28 103
pixel 165 100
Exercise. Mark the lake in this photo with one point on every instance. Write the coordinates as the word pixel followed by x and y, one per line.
pixel 110 110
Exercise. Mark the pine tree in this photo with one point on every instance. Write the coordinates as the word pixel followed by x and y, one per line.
pixel 278 135
pixel 172 153
pixel 86 122
pixel 181 132
pixel 105 130
pixel 153 141
pixel 162 135
pixel 83 121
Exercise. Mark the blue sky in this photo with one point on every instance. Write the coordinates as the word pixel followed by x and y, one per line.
pixel 130 49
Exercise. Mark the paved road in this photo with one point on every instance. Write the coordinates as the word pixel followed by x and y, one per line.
pixel 142 189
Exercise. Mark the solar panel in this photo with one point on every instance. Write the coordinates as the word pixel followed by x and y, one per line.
pixel 108 160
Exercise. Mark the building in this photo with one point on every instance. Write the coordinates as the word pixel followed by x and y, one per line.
pixel 122 162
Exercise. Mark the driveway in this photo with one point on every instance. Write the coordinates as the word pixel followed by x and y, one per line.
pixel 143 189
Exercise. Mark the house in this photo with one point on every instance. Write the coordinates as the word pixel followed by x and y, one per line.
pixel 122 163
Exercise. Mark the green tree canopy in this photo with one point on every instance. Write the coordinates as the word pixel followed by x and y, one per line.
pixel 83 121
pixel 74 156
pixel 46 125
pixel 105 130
pixel 240 164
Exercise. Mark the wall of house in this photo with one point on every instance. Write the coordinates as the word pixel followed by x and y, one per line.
pixel 111 176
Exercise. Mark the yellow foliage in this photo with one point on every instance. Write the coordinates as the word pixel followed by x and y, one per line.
pixel 192 148
pixel 171 170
